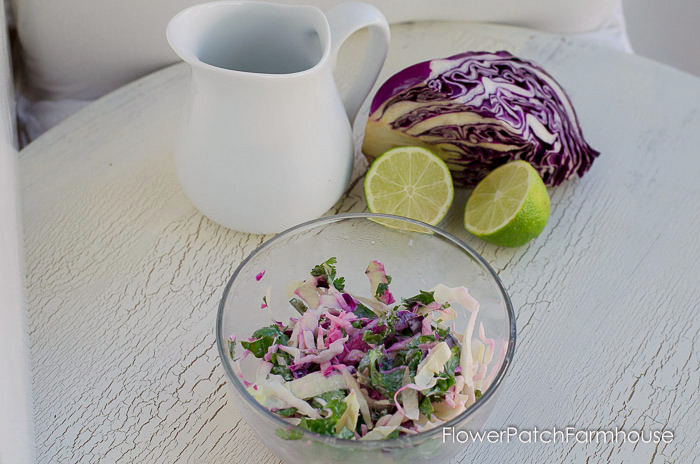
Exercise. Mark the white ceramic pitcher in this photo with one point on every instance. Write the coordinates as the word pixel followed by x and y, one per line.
pixel 266 140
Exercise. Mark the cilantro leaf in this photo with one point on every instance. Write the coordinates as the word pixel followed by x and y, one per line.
pixel 477 394
pixel 364 311
pixel 289 434
pixel 382 288
pixel 346 434
pixel 263 339
pixel 373 338
pixel 420 340
pixel 442 333
pixel 381 373
pixel 321 426
pixel 280 365
pixel 287 412
pixel 284 371
pixel 331 401
pixel 388 321
pixel 394 434
pixel 409 357
pixel 334 395
pixel 327 273
pixel 339 283
pixel 453 362
pixel 423 298
pixel 325 268
pixel 426 407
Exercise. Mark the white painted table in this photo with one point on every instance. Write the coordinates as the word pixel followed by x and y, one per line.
pixel 124 275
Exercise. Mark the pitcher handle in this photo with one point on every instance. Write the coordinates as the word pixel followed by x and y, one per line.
pixel 344 20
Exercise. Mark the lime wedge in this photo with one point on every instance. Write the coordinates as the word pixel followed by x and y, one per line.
pixel 509 207
pixel 411 182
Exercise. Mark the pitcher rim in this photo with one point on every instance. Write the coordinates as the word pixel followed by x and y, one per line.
pixel 194 61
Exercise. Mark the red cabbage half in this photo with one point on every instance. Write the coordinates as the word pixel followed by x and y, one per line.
pixel 477 111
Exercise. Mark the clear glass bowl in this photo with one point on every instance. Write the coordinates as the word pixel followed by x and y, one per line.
pixel 417 259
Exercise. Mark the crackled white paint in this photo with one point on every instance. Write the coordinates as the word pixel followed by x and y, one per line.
pixel 124 275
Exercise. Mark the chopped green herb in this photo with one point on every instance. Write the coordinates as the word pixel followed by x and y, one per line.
pixel 442 333
pixel 289 434
pixel 364 311
pixel 426 407
pixel 379 371
pixel 453 362
pixel 373 338
pixel 446 378
pixel 345 434
pixel 382 288
pixel 232 348
pixel 339 283
pixel 333 403
pixel 388 321
pixel 424 298
pixel 284 371
pixel 327 272
pixel 420 340
pixel 477 394
pixel 298 305
pixel 287 412
pixel 410 357
pixel 263 339
pixel 325 268
pixel 335 395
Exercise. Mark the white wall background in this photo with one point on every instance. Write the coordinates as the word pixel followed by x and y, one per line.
pixel 666 30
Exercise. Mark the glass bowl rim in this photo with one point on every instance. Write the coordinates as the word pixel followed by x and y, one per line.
pixel 409 440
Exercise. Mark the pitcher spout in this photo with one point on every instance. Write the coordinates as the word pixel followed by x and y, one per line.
pixel 251 37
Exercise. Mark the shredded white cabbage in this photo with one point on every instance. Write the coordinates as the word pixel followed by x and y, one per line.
pixel 445 412
pixel 352 411
pixel 354 386
pixel 444 294
pixel 295 352
pixel 307 292
pixel 377 307
pixel 284 394
pixel 409 398
pixel 333 350
pixel 379 433
pixel 292 286
pixel 316 384
pixel 432 365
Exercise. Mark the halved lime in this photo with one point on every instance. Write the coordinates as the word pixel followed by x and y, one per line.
pixel 411 182
pixel 509 207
